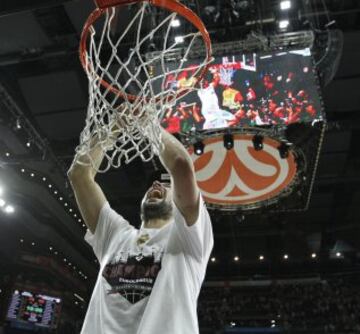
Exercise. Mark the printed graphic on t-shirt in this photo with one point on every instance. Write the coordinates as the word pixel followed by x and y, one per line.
pixel 132 276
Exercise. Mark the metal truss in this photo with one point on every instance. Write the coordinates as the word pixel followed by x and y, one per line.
pixel 253 43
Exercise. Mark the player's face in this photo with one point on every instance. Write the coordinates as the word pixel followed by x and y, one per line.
pixel 157 202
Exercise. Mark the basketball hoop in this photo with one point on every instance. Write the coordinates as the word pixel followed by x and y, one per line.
pixel 126 89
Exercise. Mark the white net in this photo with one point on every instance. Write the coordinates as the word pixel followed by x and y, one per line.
pixel 128 93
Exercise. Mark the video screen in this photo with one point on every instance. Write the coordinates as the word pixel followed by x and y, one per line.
pixel 41 310
pixel 279 88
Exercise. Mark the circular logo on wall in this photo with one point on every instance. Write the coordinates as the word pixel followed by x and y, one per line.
pixel 242 175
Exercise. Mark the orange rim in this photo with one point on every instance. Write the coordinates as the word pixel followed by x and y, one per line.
pixel 171 5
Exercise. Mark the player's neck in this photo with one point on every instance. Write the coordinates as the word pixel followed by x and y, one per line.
pixel 156 223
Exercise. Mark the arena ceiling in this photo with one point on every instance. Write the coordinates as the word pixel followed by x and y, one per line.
pixel 41 73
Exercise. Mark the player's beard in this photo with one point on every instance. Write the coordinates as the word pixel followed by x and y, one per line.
pixel 161 210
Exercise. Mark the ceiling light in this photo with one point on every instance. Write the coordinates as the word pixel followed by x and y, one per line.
pixel 2 202
pixel 9 209
pixel 50 186
pixel 32 174
pixel 286 256
pixel 283 24
pixel 175 23
pixel 33 244
pixel 213 259
pixel 285 5
pixel 18 124
pixel 21 240
pixel 179 39
pixel 261 257
pixel 65 204
pixel 228 141
pixel 60 198
pixel 22 170
pixel 28 144
pixel 199 147
pixel 7 154
pixel 258 142
pixel 284 149
pixel 313 255
pixel 338 254
pixel 44 178
pixel 236 258
pixel 50 248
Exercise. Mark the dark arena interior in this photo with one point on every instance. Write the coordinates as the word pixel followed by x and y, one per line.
pixel 286 80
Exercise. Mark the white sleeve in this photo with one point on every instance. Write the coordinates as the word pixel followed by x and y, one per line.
pixel 198 238
pixel 109 224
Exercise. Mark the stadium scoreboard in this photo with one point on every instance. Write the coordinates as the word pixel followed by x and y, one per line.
pixel 37 309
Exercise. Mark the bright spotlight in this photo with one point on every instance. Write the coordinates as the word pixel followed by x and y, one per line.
pixel 228 141
pixel 175 23
pixel 236 258
pixel 286 256
pixel 285 5
pixel 284 149
pixel 9 209
pixel 261 257
pixel 283 24
pixel 179 39
pixel 338 254
pixel 213 259
pixel 313 255
pixel 199 148
pixel 258 142
pixel 2 202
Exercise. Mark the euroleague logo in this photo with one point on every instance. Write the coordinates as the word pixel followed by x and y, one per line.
pixel 242 175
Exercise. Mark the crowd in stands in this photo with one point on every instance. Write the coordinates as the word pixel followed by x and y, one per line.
pixel 319 306
pixel 328 306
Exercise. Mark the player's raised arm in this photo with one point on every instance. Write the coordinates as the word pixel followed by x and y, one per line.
pixel 89 196
pixel 178 163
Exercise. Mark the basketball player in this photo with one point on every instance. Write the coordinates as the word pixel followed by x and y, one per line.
pixel 214 116
pixel 149 278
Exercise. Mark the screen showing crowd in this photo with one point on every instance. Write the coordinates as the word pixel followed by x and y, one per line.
pixel 247 90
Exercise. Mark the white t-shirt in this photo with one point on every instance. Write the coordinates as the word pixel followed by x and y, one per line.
pixel 209 102
pixel 214 116
pixel 148 288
